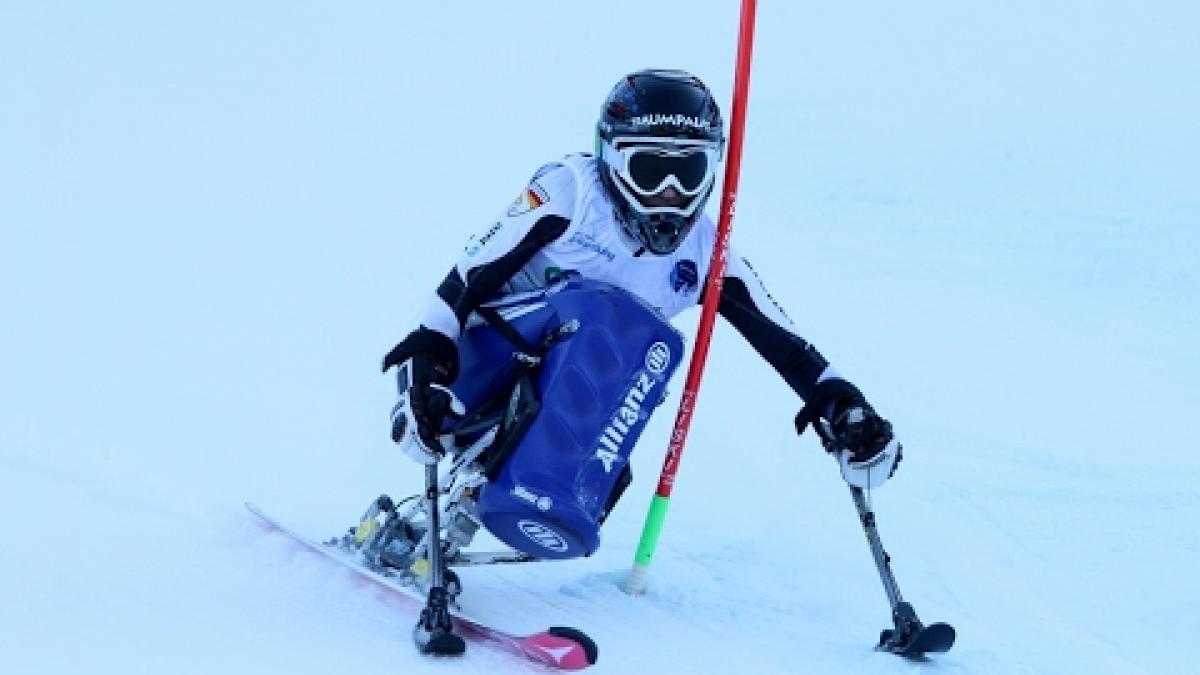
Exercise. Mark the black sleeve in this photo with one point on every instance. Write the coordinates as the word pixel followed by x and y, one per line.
pixel 794 358
pixel 484 282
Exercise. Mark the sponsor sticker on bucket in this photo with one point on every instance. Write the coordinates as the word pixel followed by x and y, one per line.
pixel 658 357
pixel 542 536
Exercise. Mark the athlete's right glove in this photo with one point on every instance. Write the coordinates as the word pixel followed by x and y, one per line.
pixel 863 443
pixel 866 448
pixel 428 362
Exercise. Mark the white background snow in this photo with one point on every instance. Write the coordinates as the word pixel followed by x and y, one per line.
pixel 215 217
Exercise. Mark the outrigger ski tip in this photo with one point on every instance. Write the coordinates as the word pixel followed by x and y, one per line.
pixel 434 632
pixel 933 639
pixel 913 639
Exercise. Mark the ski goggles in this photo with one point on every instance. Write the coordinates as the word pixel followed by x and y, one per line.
pixel 650 166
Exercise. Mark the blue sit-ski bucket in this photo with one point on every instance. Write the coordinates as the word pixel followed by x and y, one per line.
pixel 597 387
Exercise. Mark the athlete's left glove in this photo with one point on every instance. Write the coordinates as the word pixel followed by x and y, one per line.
pixel 428 362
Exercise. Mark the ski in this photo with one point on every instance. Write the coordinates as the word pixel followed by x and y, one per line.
pixel 558 647
pixel 937 638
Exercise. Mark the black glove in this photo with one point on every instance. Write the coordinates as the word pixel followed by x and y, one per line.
pixel 426 341
pixel 428 363
pixel 850 429
pixel 856 427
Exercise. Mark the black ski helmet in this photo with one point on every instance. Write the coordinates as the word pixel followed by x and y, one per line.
pixel 673 124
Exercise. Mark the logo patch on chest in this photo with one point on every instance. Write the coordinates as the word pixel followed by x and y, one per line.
pixel 685 277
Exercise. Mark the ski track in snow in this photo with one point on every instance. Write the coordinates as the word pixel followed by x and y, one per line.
pixel 217 217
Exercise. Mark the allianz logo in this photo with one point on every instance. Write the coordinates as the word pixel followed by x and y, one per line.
pixel 542 536
pixel 612 439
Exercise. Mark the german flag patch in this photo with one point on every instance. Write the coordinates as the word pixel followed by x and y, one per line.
pixel 530 198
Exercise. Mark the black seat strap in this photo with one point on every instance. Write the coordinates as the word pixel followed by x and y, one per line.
pixel 506 329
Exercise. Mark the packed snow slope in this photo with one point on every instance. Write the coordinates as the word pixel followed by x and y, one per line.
pixel 215 217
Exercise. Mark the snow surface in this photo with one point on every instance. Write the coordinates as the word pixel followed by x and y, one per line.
pixel 215 217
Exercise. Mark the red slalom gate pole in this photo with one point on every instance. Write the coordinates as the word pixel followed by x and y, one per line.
pixel 712 297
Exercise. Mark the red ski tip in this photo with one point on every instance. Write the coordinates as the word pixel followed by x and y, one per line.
pixel 564 648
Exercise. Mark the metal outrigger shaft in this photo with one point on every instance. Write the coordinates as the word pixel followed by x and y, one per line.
pixel 909 637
